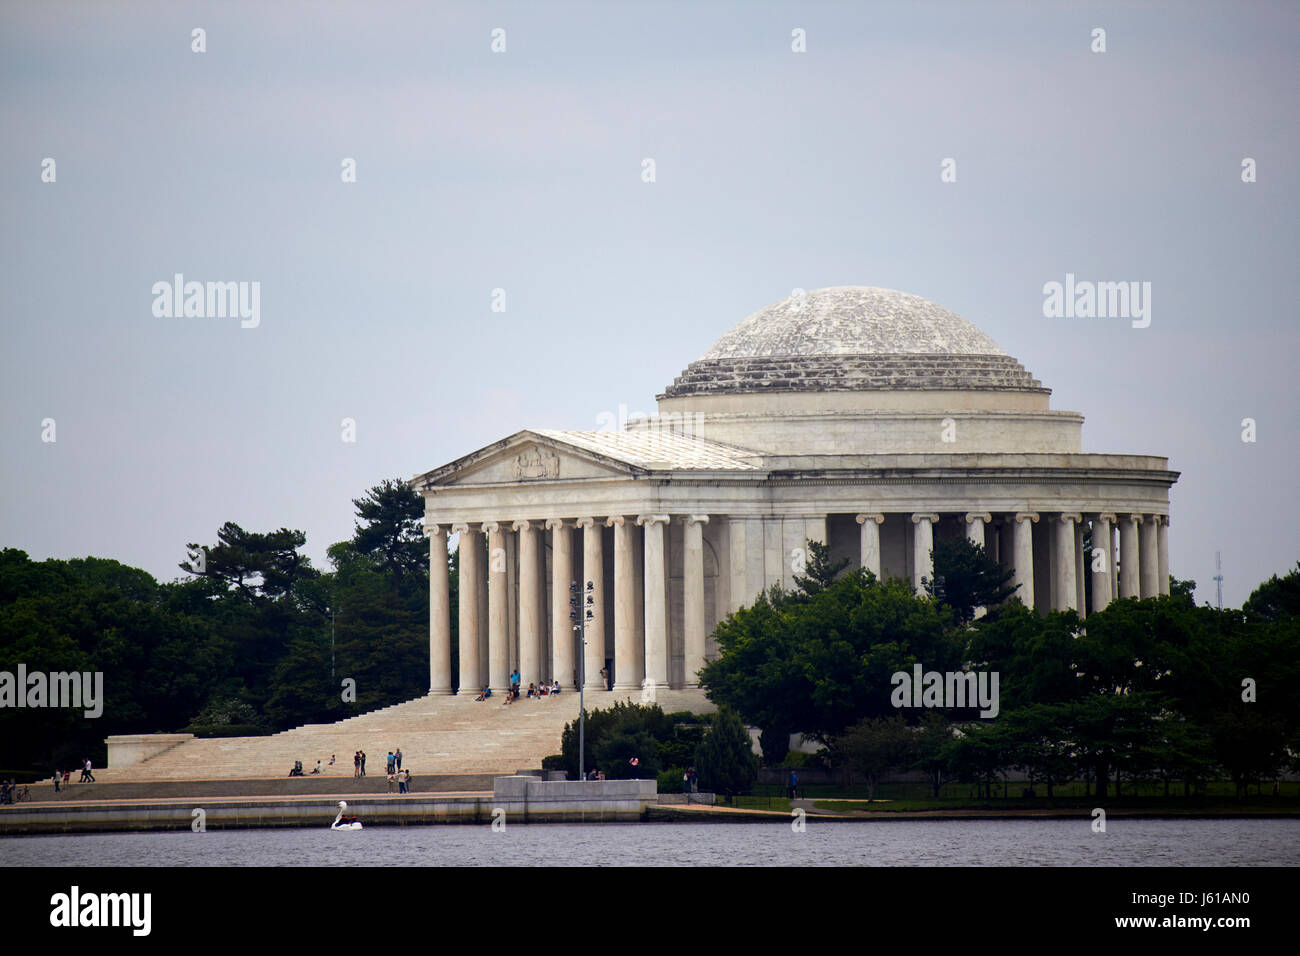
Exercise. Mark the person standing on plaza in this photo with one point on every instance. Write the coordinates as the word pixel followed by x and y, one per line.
pixel 363 763
pixel 398 758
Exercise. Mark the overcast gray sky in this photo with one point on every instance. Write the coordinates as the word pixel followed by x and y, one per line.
pixel 522 170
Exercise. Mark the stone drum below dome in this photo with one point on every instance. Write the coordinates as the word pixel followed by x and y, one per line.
pixel 852 338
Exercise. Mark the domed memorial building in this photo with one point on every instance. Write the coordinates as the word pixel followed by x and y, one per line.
pixel 871 420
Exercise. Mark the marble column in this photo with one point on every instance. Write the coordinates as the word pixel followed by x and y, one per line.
pixel 1129 564
pixel 976 521
pixel 1148 557
pixel 1162 561
pixel 593 572
pixel 561 625
pixel 737 563
pixel 814 529
pixel 1080 590
pixel 498 609
pixel 1101 563
pixel 922 545
pixel 1007 541
pixel 1064 592
pixel 439 611
pixel 530 605
pixel 693 590
pixel 471 680
pixel 656 600
pixel 1024 556
pixel 871 541
pixel 626 676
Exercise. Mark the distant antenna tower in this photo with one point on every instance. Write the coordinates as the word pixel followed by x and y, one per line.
pixel 1218 578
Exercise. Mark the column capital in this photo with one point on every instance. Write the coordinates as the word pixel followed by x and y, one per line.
pixel 461 528
pixel 585 523
pixel 653 519
pixel 491 527
pixel 1161 520
pixel 615 521
pixel 431 529
pixel 924 516
pixel 1134 516
pixel 554 523
pixel 1072 516
pixel 978 516
pixel 1031 516
pixel 523 524
pixel 1106 516
pixel 877 518
pixel 695 519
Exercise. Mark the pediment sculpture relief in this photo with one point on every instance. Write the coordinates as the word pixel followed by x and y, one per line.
pixel 537 463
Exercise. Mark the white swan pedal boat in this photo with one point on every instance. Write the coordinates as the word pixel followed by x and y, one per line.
pixel 345 823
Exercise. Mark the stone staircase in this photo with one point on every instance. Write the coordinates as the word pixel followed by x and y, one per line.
pixel 436 735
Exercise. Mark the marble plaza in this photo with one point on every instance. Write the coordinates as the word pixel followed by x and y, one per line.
pixel 868 419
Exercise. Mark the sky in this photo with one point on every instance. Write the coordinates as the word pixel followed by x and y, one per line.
pixel 521 169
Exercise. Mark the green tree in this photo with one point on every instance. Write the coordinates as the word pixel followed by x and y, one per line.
pixel 816 663
pixel 391 530
pixel 970 578
pixel 876 746
pixel 930 748
pixel 820 571
pixel 725 760
pixel 1276 598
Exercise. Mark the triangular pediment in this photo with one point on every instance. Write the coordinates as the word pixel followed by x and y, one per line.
pixel 525 457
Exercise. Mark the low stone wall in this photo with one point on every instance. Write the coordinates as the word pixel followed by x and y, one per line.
pixel 535 800
pixel 523 799
pixel 682 799
pixel 232 814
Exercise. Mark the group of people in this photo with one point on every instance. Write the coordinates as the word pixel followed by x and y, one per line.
pixel 63 778
pixel 297 767
pixel 359 764
pixel 690 781
pixel 10 792
pixel 396 775
pixel 534 690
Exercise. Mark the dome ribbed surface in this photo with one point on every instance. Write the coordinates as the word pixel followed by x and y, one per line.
pixel 852 338
pixel 853 320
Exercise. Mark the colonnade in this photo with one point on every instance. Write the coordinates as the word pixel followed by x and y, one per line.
pixel 496 557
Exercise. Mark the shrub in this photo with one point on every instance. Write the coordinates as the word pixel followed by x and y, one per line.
pixel 615 753
pixel 670 780
pixel 603 725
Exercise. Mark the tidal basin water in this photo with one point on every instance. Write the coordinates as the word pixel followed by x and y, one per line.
pixel 900 843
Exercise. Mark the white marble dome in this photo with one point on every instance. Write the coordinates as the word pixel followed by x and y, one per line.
pixel 853 320
pixel 852 339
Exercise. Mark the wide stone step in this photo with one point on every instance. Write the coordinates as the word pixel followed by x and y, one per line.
pixel 436 734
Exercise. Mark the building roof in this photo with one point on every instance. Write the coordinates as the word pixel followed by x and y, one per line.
pixel 852 320
pixel 852 338
pixel 659 449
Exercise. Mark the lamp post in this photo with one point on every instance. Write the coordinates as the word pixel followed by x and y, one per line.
pixel 580 612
